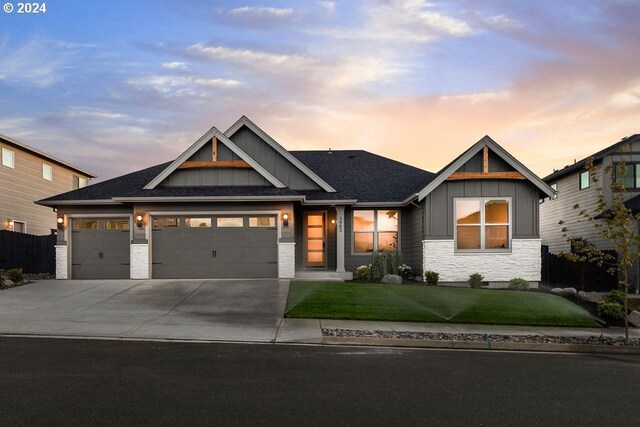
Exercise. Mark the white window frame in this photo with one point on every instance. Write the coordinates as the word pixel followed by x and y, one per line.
pixel 580 187
pixel 8 154
pixel 375 229
pixel 81 182
pixel 13 225
pixel 482 249
pixel 50 169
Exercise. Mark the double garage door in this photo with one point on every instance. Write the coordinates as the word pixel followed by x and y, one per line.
pixel 212 246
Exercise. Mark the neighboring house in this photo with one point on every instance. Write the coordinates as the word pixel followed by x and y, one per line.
pixel 26 175
pixel 238 205
pixel 574 185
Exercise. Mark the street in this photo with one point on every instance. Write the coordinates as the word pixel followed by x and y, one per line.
pixel 95 382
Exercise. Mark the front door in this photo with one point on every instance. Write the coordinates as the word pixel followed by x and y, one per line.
pixel 315 235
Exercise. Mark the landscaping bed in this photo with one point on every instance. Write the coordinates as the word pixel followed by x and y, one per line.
pixel 355 301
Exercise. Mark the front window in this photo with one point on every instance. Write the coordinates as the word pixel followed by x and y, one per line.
pixel 584 180
pixel 482 224
pixel 375 230
pixel 630 176
pixel 8 158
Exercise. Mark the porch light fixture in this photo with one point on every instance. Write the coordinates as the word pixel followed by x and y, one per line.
pixel 9 224
pixel 285 219
pixel 139 218
pixel 333 222
pixel 60 221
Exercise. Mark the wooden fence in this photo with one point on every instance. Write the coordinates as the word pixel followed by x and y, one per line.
pixel 583 276
pixel 35 254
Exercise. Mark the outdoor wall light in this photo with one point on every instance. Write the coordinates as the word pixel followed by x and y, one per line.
pixel 333 222
pixel 139 218
pixel 285 219
pixel 60 221
pixel 9 224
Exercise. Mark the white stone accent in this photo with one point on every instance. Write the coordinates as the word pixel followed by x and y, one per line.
pixel 139 259
pixel 523 261
pixel 286 260
pixel 62 262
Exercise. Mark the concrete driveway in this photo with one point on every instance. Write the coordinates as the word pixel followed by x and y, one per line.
pixel 232 310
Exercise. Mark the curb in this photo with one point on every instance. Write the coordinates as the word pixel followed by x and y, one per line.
pixel 481 345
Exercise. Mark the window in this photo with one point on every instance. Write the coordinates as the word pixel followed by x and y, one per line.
pixel 8 158
pixel 85 224
pixel 554 186
pixel 375 230
pixel 19 226
pixel 47 172
pixel 166 222
pixel 584 180
pixel 482 224
pixel 262 221
pixel 116 224
pixel 197 222
pixel 79 182
pixel 225 222
pixel 631 177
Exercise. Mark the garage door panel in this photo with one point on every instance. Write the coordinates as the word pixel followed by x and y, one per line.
pixel 99 253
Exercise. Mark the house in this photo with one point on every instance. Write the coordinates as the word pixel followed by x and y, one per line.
pixel 238 205
pixel 26 175
pixel 575 185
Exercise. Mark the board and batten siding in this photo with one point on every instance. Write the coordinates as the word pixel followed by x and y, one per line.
pixel 272 161
pixel 438 206
pixel 23 185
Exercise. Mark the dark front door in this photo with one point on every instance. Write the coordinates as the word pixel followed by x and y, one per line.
pixel 100 248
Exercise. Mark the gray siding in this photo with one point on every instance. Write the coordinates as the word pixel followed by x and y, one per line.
pixel 417 231
pixel 524 205
pixel 271 160
pixel 496 163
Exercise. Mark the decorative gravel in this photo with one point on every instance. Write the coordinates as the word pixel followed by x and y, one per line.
pixel 441 336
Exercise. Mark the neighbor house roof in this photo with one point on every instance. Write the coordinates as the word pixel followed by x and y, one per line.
pixel 463 158
pixel 42 154
pixel 597 157
pixel 356 175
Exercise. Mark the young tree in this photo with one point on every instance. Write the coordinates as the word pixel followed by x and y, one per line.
pixel 615 223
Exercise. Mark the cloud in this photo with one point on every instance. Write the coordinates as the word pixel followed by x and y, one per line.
pixel 262 12
pixel 328 6
pixel 628 98
pixel 37 62
pixel 254 58
pixel 182 85
pixel 92 113
pixel 174 65
pixel 479 97
pixel 503 22
pixel 258 17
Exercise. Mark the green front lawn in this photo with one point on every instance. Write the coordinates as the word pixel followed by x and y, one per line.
pixel 337 300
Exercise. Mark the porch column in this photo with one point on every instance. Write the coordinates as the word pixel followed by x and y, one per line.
pixel 340 239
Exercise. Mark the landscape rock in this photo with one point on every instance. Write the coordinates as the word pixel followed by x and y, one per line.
pixel 392 279
pixel 634 318
pixel 590 296
pixel 567 292
pixel 8 283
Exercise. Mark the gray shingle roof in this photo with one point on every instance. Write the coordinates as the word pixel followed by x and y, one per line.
pixel 355 174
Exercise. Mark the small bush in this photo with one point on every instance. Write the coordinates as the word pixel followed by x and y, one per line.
pixel 405 271
pixel 518 284
pixel 432 278
pixel 15 275
pixel 383 263
pixel 611 309
pixel 363 273
pixel 475 280
pixel 616 296
pixel 1 280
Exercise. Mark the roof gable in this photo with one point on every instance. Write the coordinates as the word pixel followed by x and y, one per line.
pixel 466 158
pixel 244 121
pixel 214 136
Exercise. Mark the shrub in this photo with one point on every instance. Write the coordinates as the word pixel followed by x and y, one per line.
pixel 363 273
pixel 405 271
pixel 432 278
pixel 15 275
pixel 616 296
pixel 475 280
pixel 518 284
pixel 607 308
pixel 383 262
pixel 1 280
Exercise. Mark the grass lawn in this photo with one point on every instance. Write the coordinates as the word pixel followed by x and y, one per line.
pixel 337 300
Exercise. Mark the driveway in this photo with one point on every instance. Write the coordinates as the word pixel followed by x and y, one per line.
pixel 226 310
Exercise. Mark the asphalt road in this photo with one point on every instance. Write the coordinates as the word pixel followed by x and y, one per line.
pixel 91 382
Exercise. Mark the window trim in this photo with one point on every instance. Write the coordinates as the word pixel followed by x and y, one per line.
pixel 633 166
pixel 13 158
pixel 44 166
pixel 375 229
pixel 483 225
pixel 13 225
pixel 76 182
pixel 580 187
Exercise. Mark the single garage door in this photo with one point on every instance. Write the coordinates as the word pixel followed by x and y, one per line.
pixel 100 248
pixel 203 246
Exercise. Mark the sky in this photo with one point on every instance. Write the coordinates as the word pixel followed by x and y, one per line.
pixel 114 86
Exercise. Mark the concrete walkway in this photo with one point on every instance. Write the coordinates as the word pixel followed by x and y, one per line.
pixel 204 310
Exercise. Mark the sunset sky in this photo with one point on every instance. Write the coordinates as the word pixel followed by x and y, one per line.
pixel 115 86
